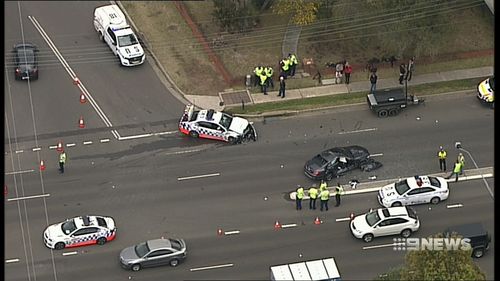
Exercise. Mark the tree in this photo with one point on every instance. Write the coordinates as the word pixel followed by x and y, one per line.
pixel 303 12
pixel 437 265
pixel 234 15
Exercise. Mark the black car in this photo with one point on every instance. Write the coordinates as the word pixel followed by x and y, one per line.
pixel 26 61
pixel 479 237
pixel 337 161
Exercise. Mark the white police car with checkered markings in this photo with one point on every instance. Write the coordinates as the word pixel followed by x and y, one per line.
pixel 80 231
pixel 211 124
pixel 414 190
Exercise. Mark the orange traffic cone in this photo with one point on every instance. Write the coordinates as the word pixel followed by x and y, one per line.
pixel 82 98
pixel 5 191
pixel 76 81
pixel 60 146
pixel 219 232
pixel 42 165
pixel 277 225
pixel 80 123
pixel 317 221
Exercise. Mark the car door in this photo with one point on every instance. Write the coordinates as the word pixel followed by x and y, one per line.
pixel 413 196
pixel 391 226
pixel 426 194
pixel 382 228
pixel 156 258
pixel 110 39
pixel 83 235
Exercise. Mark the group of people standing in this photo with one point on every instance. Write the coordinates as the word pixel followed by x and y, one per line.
pixel 264 75
pixel 323 193
pixel 458 168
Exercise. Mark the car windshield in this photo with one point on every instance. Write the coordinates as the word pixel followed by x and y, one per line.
pixel 175 244
pixel 68 227
pixel 141 249
pixel 402 187
pixel 26 56
pixel 492 83
pixel 127 40
pixel 320 160
pixel 411 213
pixel 435 182
pixel 225 121
pixel 372 218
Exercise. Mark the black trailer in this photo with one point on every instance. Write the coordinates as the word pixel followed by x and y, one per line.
pixel 389 102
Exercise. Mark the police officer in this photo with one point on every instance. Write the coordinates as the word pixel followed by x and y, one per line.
pixel 442 159
pixel 313 195
pixel 456 171
pixel 281 92
pixel 323 197
pixel 299 197
pixel 257 72
pixel 269 73
pixel 339 190
pixel 285 67
pixel 263 82
pixel 62 161
pixel 461 159
pixel 293 63
pixel 322 186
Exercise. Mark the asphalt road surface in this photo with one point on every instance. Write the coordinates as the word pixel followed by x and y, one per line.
pixel 155 182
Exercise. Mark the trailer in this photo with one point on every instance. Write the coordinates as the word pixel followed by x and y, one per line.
pixel 320 270
pixel 390 102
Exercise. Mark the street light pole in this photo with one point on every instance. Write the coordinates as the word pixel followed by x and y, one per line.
pixel 458 145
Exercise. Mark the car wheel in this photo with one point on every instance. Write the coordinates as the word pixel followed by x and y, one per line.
pixel 435 200
pixel 136 267
pixel 393 112
pixel 101 241
pixel 368 237
pixel 382 113
pixel 232 140
pixel 406 233
pixel 174 262
pixel 101 37
pixel 194 134
pixel 59 246
pixel 478 252
pixel 396 204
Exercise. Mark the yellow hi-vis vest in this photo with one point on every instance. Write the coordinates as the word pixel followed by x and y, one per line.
pixel 293 60
pixel 263 78
pixel 442 154
pixel 457 168
pixel 300 193
pixel 286 64
pixel 325 195
pixel 322 186
pixel 62 157
pixel 269 71
pixel 258 70
pixel 313 193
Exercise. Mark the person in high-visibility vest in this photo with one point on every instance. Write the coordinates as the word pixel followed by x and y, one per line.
pixel 263 82
pixel 339 190
pixel 322 186
pixel 323 197
pixel 456 171
pixel 293 63
pixel 269 73
pixel 442 159
pixel 257 72
pixel 62 161
pixel 285 67
pixel 299 197
pixel 313 195
pixel 461 159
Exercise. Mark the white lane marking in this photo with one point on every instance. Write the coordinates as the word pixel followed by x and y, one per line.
pixel 19 172
pixel 212 267
pixel 147 135
pixel 104 140
pixel 232 232
pixel 28 197
pixel 11 260
pixel 37 149
pixel 70 144
pixel 165 133
pixel 70 253
pixel 182 152
pixel 343 219
pixel 19 151
pixel 475 177
pixel 357 131
pixel 52 146
pixel 454 206
pixel 197 177
pixel 380 246
pixel 376 154
pixel 288 225
pixel 87 142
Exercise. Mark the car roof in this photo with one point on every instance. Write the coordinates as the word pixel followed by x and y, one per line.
pixel 203 115
pixel 468 230
pixel 396 211
pixel 160 243
pixel 84 221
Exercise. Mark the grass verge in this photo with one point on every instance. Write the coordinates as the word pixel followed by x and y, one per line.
pixel 351 98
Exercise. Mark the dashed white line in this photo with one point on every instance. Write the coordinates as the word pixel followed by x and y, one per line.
pixel 87 142
pixel 28 197
pixel 211 267
pixel 37 149
pixel 19 172
pixel 70 253
pixel 380 246
pixel 52 146
pixel 11 260
pixel 70 144
pixel 232 232
pixel 197 177
pixel 454 206
pixel 165 133
pixel 376 154
pixel 19 151
pixel 288 225
pixel 343 219
pixel 104 140
pixel 357 131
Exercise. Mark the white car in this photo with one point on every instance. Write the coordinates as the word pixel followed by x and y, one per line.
pixel 80 231
pixel 216 125
pixel 409 192
pixel 385 221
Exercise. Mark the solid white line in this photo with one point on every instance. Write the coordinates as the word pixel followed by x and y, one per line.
pixel 11 260
pixel 357 131
pixel 343 219
pixel 70 253
pixel 19 151
pixel 376 154
pixel 29 197
pixel 197 177
pixel 165 133
pixel 37 149
pixel 135 137
pixel 104 140
pixel 211 267
pixel 87 142
pixel 182 152
pixel 19 172
pixel 70 144
pixel 454 206
pixel 52 146
pixel 288 225
pixel 363 190
pixel 232 232
pixel 380 246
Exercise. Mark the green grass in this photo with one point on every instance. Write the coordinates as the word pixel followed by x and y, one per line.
pixel 351 98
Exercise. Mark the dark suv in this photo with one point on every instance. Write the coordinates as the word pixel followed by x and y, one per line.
pixel 479 237
pixel 26 61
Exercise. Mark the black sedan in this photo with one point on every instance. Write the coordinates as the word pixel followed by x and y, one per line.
pixel 336 161
pixel 26 61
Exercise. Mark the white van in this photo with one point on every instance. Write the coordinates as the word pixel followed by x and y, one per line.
pixel 112 26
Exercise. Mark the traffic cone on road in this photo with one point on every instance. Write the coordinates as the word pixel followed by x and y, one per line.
pixel 219 232
pixel 42 165
pixel 5 191
pixel 81 124
pixel 59 146
pixel 76 81
pixel 82 98
pixel 277 225
pixel 317 221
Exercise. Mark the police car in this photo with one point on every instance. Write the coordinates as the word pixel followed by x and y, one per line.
pixel 80 231
pixel 216 125
pixel 414 190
